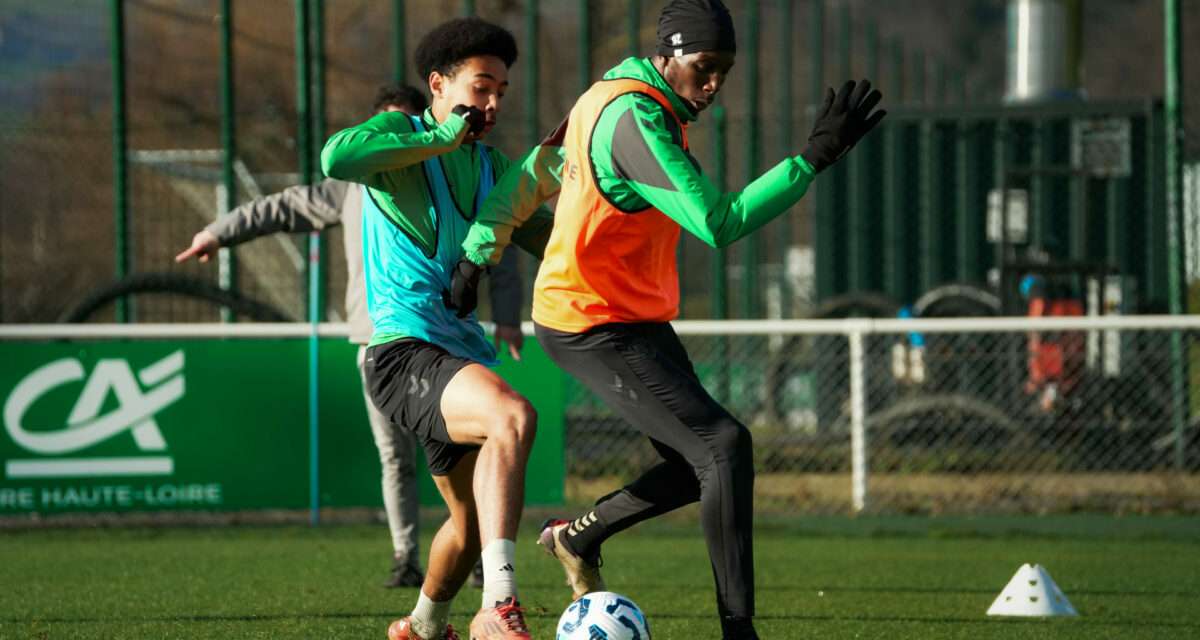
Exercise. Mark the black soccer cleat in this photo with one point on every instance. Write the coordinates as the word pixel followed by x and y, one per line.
pixel 404 574
pixel 583 574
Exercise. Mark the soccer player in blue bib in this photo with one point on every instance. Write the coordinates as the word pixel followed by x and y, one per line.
pixel 427 366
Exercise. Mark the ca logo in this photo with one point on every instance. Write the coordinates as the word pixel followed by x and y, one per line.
pixel 85 426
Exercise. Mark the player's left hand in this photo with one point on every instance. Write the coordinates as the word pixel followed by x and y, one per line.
pixel 843 120
pixel 513 336
pixel 464 287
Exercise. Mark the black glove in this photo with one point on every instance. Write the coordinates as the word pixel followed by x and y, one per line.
pixel 842 121
pixel 463 296
pixel 475 118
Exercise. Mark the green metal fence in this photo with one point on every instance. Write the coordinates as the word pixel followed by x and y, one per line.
pixel 1083 182
pixel 125 138
pixel 127 125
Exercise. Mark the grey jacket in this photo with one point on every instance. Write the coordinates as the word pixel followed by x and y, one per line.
pixel 329 203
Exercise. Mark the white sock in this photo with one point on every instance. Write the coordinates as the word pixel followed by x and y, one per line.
pixel 499 573
pixel 429 618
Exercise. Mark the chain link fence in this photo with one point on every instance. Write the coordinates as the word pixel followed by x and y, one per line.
pixel 56 187
pixel 957 416
pixel 967 420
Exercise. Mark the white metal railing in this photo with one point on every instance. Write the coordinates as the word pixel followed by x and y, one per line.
pixel 854 330
pixel 846 327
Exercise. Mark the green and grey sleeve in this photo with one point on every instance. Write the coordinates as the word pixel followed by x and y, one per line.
pixel 514 212
pixel 638 153
pixel 368 152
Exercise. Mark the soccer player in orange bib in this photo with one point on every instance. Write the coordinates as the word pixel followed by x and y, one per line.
pixel 608 286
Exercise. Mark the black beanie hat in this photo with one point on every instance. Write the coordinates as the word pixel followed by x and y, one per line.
pixel 688 26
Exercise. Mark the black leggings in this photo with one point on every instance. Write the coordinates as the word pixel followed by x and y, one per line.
pixel 643 373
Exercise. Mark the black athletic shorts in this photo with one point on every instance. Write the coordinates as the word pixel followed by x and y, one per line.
pixel 406 379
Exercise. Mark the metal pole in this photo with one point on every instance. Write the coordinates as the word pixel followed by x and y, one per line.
pixel 751 252
pixel 862 204
pixel 896 71
pixel 532 137
pixel 304 126
pixel 1 260
pixel 719 287
pixel 894 237
pixel 825 258
pixel 318 86
pixel 966 241
pixel 929 231
pixel 785 143
pixel 531 83
pixel 843 44
pixel 314 368
pixel 227 259
pixel 840 223
pixel 398 70
pixel 631 22
pixel 1174 144
pixel 939 82
pixel 871 63
pixel 1174 135
pixel 857 248
pixel 720 302
pixel 917 95
pixel 816 37
pixel 304 150
pixel 468 7
pixel 858 422
pixel 120 160
pixel 317 141
pixel 303 121
pixel 585 47
pixel 317 258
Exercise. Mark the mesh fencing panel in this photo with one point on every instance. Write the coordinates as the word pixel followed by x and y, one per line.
pixel 959 421
pixel 911 222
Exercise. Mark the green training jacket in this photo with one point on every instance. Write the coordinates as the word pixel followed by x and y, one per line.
pixel 385 154
pixel 639 161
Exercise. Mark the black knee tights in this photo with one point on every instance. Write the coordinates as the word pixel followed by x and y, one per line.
pixel 643 373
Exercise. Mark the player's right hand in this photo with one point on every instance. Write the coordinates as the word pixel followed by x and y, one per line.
pixel 512 335
pixel 204 246
pixel 476 118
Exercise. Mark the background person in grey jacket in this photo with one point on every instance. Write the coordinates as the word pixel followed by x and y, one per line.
pixel 330 203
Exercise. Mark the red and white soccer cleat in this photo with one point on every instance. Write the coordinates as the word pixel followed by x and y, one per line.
pixel 505 621
pixel 401 630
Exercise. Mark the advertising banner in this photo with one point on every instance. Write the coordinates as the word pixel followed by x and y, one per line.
pixel 153 425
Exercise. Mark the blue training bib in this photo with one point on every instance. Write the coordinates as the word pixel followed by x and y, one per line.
pixel 405 286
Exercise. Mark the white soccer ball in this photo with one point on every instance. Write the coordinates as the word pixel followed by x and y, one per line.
pixel 603 615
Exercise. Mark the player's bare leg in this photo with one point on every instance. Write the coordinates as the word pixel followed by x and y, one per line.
pixel 480 408
pixel 456 545
pixel 451 557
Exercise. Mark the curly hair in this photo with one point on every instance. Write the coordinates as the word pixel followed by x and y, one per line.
pixel 449 44
pixel 405 97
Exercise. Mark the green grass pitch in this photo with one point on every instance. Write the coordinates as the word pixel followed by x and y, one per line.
pixel 1130 578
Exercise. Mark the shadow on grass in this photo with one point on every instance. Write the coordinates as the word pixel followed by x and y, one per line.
pixel 946 590
pixel 955 620
pixel 1087 620
pixel 207 618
